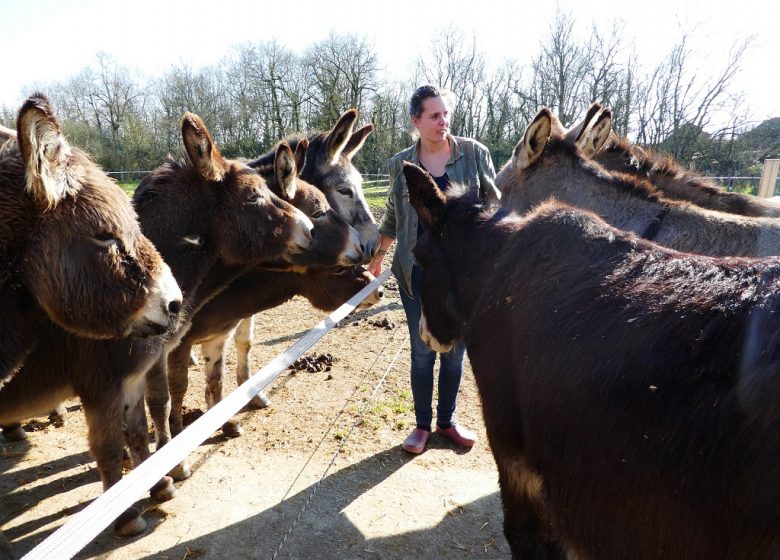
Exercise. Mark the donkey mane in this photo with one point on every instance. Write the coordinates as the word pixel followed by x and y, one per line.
pixel 625 182
pixel 652 161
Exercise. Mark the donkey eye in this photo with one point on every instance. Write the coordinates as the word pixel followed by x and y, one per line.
pixel 345 192
pixel 105 240
pixel 318 214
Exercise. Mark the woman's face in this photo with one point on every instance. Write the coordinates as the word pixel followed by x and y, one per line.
pixel 434 121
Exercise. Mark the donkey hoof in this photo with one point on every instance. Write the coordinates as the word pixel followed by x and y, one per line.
pixel 14 432
pixel 231 428
pixel 130 523
pixel 180 472
pixel 259 401
pixel 176 429
pixel 164 490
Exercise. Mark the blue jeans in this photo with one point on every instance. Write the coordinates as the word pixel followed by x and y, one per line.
pixel 423 358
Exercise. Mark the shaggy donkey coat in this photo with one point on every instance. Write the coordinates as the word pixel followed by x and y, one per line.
pixel 631 393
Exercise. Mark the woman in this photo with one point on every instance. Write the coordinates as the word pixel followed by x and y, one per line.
pixel 449 159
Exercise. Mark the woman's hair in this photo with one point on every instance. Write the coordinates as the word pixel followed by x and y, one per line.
pixel 424 92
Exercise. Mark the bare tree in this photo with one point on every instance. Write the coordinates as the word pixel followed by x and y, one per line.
pixel 675 104
pixel 343 70
pixel 457 65
pixel 559 73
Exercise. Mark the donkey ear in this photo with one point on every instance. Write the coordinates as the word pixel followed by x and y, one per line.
pixel 534 140
pixel 426 198
pixel 576 132
pixel 357 140
pixel 637 157
pixel 203 154
pixel 300 154
pixel 340 134
pixel 44 151
pixel 284 170
pixel 591 142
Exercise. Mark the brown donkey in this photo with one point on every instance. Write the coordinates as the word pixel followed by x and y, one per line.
pixel 214 219
pixel 335 245
pixel 209 216
pixel 672 179
pixel 70 246
pixel 548 163
pixel 630 392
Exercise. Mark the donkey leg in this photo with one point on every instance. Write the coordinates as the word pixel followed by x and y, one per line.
pixel 137 440
pixel 104 414
pixel 243 336
pixel 212 351
pixel 526 526
pixel 158 399
pixel 14 432
pixel 178 381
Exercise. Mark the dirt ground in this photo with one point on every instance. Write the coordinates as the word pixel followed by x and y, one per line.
pixel 320 474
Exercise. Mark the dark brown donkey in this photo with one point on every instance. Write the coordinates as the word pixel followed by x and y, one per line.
pixel 673 180
pixel 335 245
pixel 630 392
pixel 70 246
pixel 548 163
pixel 208 216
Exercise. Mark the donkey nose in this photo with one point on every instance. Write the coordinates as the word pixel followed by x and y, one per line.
pixel 174 307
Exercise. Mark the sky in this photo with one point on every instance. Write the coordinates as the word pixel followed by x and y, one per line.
pixel 51 40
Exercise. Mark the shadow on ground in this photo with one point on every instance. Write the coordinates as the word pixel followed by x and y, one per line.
pixel 303 526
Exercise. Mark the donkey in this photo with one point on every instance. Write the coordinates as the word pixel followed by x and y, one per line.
pixel 547 163
pixel 335 244
pixel 326 163
pixel 71 249
pixel 328 166
pixel 209 217
pixel 630 392
pixel 673 180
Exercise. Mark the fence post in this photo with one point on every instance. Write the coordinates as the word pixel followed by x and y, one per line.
pixel 766 188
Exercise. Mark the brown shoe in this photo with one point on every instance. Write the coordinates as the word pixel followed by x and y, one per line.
pixel 415 442
pixel 458 435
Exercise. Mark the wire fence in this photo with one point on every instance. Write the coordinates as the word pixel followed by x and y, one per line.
pixel 376 183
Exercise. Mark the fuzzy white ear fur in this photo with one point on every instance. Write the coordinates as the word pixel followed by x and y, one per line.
pixel 576 132
pixel 339 136
pixel 534 140
pixel 45 152
pixel 594 139
pixel 285 170
pixel 203 154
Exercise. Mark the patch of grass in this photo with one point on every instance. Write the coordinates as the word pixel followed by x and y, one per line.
pixel 745 188
pixel 376 199
pixel 129 186
pixel 394 411
pixel 341 434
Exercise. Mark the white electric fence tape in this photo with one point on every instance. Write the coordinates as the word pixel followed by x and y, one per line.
pixel 77 533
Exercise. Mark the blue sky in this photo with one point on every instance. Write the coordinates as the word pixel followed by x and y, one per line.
pixel 50 40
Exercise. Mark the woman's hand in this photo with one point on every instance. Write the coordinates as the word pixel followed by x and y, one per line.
pixel 375 266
